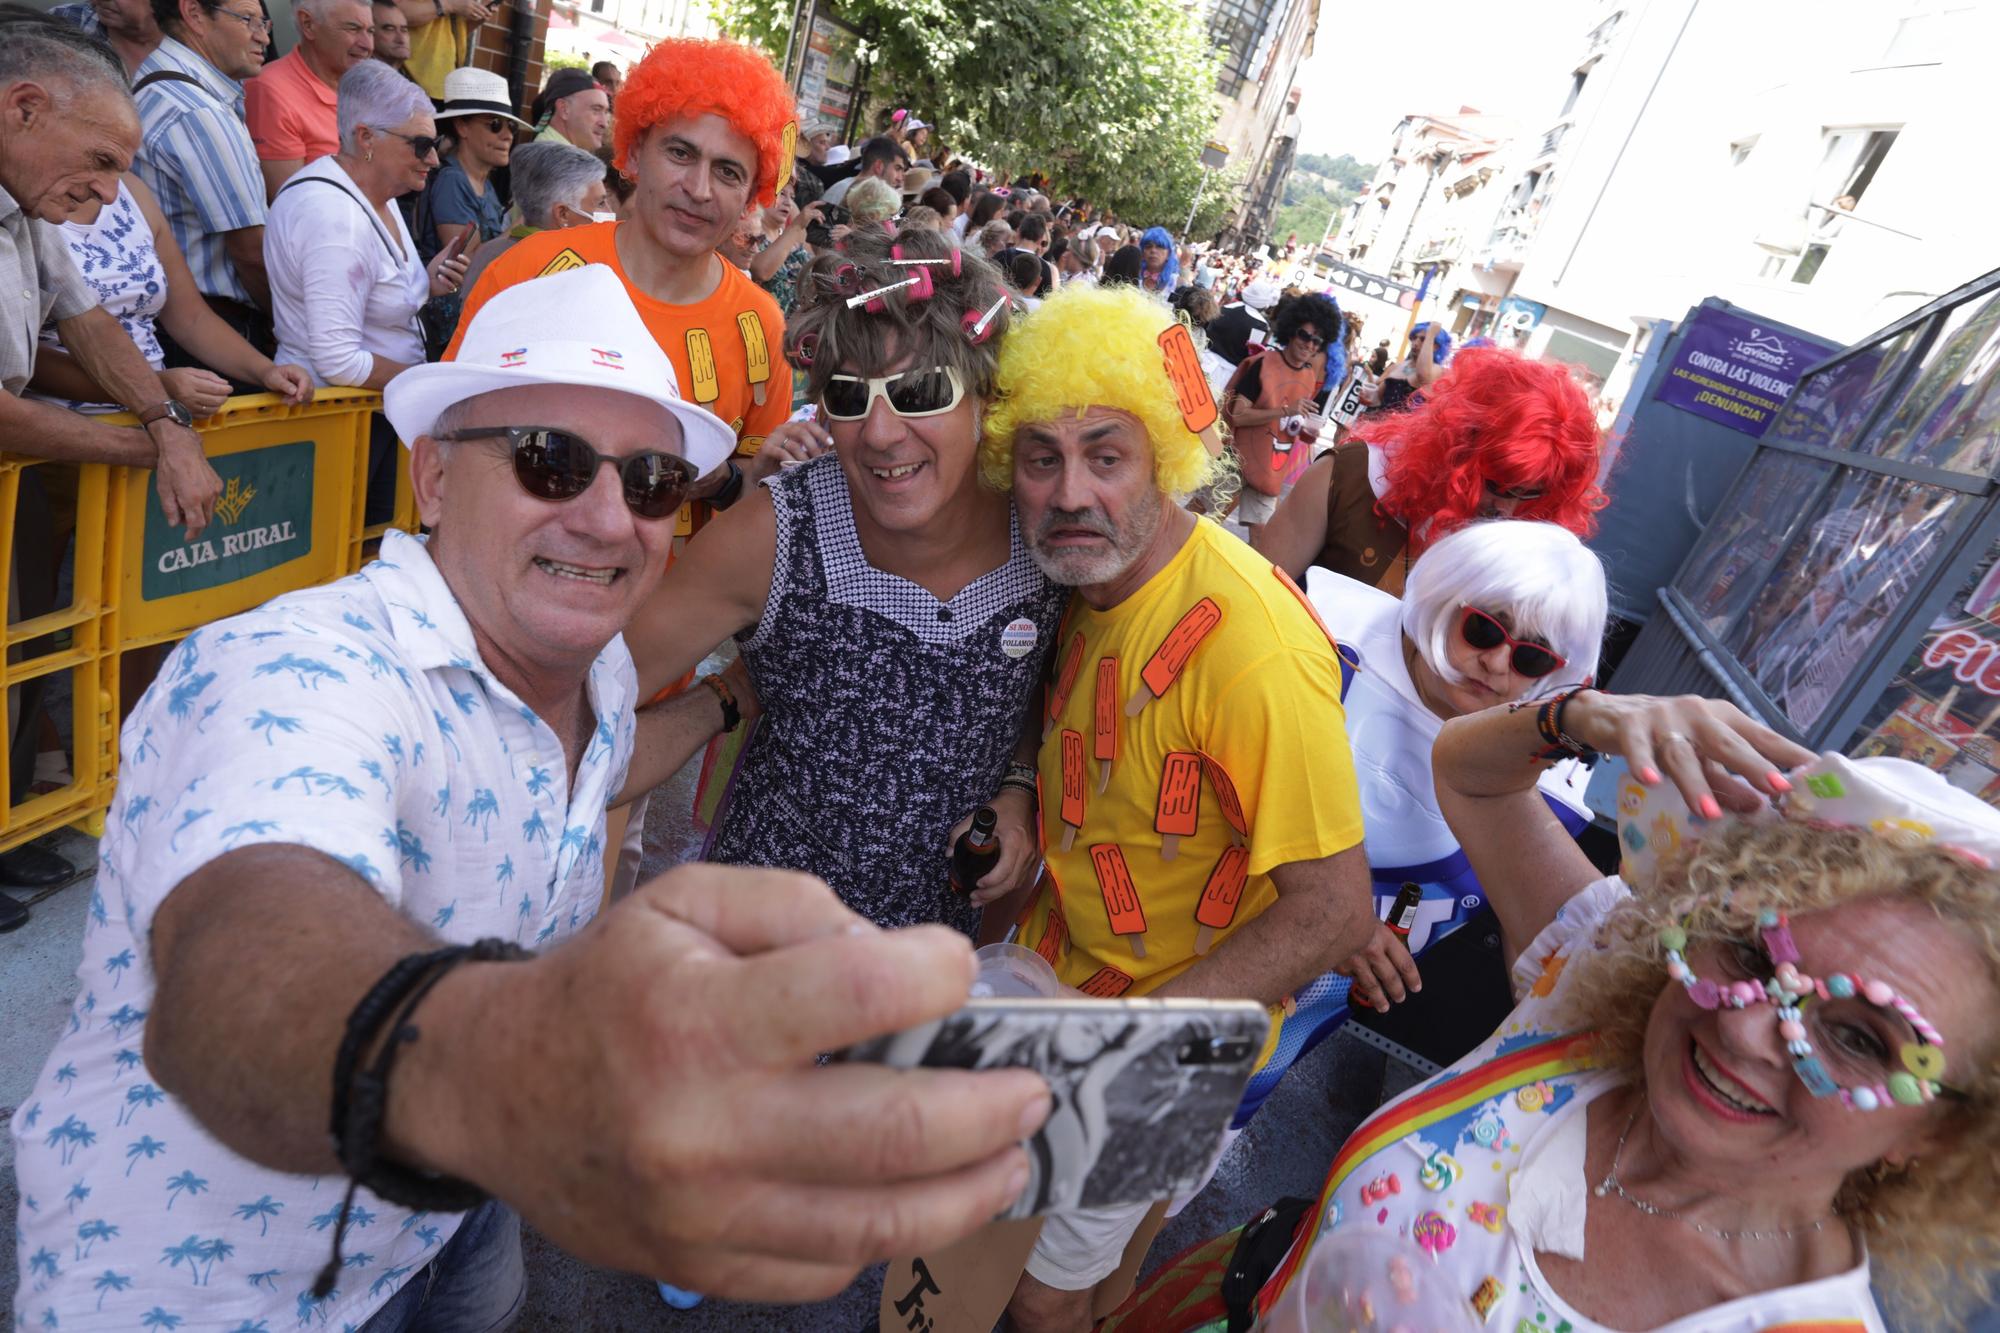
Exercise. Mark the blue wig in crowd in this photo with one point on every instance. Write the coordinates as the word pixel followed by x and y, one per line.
pixel 1440 350
pixel 1170 273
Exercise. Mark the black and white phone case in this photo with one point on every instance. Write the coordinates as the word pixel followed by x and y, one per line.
pixel 1143 1088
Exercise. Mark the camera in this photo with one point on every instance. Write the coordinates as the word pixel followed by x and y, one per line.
pixel 831 215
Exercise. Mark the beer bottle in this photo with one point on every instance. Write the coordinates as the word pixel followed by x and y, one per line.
pixel 976 851
pixel 1403 912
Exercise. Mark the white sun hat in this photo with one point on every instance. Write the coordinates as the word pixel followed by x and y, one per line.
pixel 477 92
pixel 579 328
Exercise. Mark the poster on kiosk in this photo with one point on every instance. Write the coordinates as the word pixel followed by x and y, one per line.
pixel 1848 589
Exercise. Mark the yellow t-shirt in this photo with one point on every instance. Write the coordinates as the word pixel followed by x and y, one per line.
pixel 436 49
pixel 1194 740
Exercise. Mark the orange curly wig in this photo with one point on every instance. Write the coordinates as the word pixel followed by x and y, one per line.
pixel 690 76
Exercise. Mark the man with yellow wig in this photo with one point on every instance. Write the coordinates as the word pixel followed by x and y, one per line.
pixel 1199 809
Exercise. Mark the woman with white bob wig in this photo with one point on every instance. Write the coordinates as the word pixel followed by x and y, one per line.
pixel 1496 612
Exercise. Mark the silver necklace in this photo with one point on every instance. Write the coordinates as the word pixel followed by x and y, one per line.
pixel 1610 1185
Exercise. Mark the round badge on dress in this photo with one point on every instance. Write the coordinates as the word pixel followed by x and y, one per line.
pixel 1018 639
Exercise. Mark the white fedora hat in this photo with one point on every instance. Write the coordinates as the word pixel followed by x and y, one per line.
pixel 577 328
pixel 477 92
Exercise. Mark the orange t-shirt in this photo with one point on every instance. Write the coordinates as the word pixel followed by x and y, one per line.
pixel 727 350
pixel 291 112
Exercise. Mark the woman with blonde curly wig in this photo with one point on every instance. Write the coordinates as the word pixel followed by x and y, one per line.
pixel 1745 1076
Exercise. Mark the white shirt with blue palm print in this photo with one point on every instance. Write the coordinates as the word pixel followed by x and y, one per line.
pixel 355 719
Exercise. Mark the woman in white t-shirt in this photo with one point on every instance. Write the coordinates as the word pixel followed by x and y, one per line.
pixel 1745 1076
pixel 346 279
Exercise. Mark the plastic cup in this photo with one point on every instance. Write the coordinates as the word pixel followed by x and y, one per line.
pixel 1008 971
pixel 1359 1281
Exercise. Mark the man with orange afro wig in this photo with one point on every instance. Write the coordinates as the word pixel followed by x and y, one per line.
pixel 704 129
pixel 1499 436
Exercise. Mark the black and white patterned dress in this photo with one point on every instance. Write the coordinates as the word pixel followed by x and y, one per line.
pixel 888 714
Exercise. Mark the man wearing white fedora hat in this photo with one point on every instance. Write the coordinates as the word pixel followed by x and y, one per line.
pixel 352 813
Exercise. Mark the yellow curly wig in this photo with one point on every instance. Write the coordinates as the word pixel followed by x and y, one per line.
pixel 1931 1228
pixel 1093 347
pixel 690 76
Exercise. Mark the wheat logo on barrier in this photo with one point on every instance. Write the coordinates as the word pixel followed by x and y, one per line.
pixel 236 498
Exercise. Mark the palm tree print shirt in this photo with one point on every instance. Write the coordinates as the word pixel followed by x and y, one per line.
pixel 355 719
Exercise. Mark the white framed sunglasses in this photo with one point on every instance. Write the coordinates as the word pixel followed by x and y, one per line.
pixel 923 391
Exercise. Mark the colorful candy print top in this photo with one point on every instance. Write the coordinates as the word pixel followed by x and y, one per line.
pixel 1194 741
pixel 357 720
pixel 1483 1166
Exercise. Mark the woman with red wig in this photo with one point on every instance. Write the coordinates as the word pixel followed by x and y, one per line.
pixel 1499 436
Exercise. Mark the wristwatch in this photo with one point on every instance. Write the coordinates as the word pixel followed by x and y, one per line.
pixel 173 409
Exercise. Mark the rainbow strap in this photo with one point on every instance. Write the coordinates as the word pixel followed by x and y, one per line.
pixel 1566 1054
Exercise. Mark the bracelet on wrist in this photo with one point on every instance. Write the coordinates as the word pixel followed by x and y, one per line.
pixel 1023 773
pixel 361 1096
pixel 730 491
pixel 1549 725
pixel 1011 783
pixel 732 716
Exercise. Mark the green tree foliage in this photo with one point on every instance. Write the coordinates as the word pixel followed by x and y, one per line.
pixel 1112 98
pixel 1344 169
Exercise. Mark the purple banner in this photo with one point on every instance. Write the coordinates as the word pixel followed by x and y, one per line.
pixel 1734 371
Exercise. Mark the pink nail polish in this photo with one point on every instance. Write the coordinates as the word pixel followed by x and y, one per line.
pixel 1709 808
pixel 1649 776
pixel 1778 781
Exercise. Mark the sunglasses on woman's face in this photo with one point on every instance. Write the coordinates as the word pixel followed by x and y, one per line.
pixel 556 465
pixel 1482 633
pixel 423 145
pixel 927 392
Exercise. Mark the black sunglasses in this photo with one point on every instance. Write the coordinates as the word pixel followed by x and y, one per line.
pixel 423 145
pixel 1483 633
pixel 553 464
pixel 1308 336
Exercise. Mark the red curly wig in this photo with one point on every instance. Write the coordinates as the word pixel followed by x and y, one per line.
pixel 690 76
pixel 1496 418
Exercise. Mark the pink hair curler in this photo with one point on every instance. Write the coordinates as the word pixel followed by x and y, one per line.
pixel 978 328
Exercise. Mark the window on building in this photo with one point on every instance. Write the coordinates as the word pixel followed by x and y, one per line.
pixel 1847 168
pixel 1925 36
pixel 1576 83
pixel 1236 27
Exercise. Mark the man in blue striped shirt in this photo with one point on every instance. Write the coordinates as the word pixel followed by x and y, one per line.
pixel 197 155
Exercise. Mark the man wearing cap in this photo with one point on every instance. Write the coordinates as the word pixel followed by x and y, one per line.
pixel 1244 325
pixel 573 109
pixel 330 799
pixel 1203 832
pixel 704 128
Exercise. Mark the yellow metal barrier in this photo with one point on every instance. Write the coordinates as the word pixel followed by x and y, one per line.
pixel 290 517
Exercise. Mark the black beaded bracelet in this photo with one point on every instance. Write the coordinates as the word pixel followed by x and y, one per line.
pixel 1549 724
pixel 1018 784
pixel 361 1097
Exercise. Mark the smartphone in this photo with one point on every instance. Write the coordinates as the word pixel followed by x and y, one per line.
pixel 1143 1088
